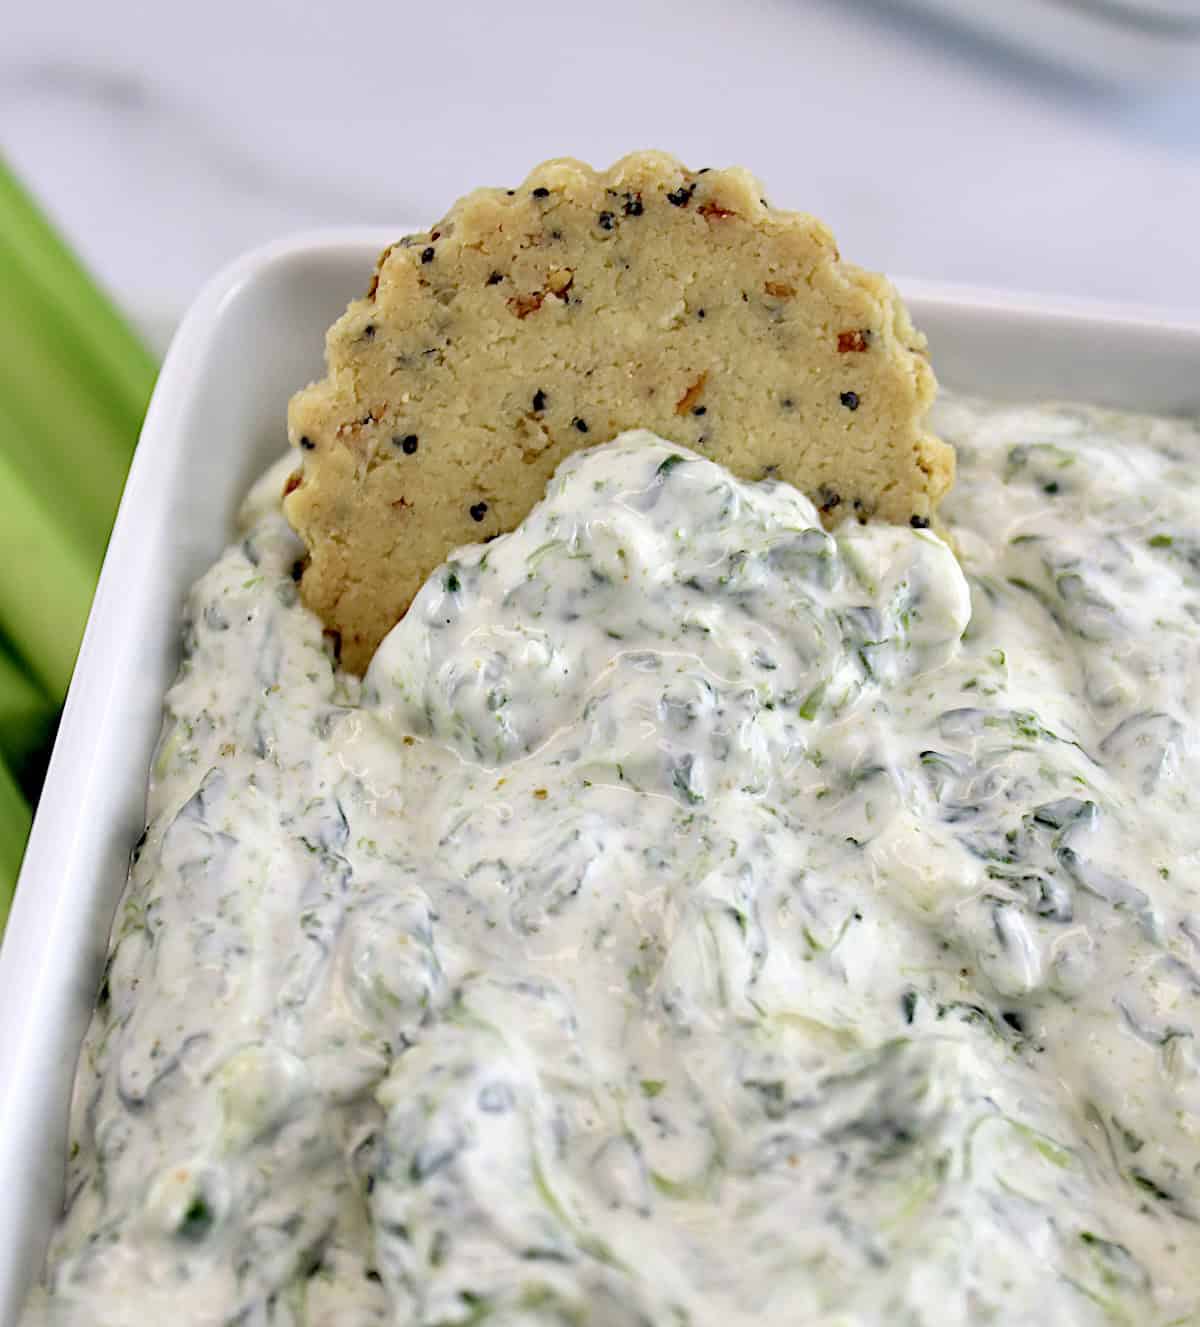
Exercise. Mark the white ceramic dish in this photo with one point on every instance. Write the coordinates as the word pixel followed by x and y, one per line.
pixel 217 418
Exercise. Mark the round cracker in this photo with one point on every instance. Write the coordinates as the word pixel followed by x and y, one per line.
pixel 531 322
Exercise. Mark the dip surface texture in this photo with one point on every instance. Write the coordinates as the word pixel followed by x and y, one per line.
pixel 684 922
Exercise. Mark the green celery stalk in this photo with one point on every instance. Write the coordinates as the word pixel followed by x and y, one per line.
pixel 123 367
pixel 74 382
pixel 15 819
pixel 46 583
pixel 26 713
pixel 70 439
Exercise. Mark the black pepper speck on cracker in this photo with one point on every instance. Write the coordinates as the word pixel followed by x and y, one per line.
pixel 533 322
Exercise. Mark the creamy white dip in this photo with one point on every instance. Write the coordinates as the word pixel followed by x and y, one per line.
pixel 684 923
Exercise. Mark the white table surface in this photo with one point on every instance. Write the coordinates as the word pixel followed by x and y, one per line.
pixel 168 137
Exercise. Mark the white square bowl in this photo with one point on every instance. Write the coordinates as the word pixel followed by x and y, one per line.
pixel 218 418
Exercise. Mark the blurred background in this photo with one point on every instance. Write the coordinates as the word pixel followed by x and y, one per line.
pixel 166 138
pixel 1039 145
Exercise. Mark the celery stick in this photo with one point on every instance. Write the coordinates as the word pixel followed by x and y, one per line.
pixel 72 440
pixel 74 380
pixel 15 819
pixel 46 584
pixel 74 383
pixel 26 713
pixel 123 364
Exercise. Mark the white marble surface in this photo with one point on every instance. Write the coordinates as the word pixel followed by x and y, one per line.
pixel 168 137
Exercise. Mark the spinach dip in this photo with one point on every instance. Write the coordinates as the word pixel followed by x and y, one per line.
pixel 694 918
